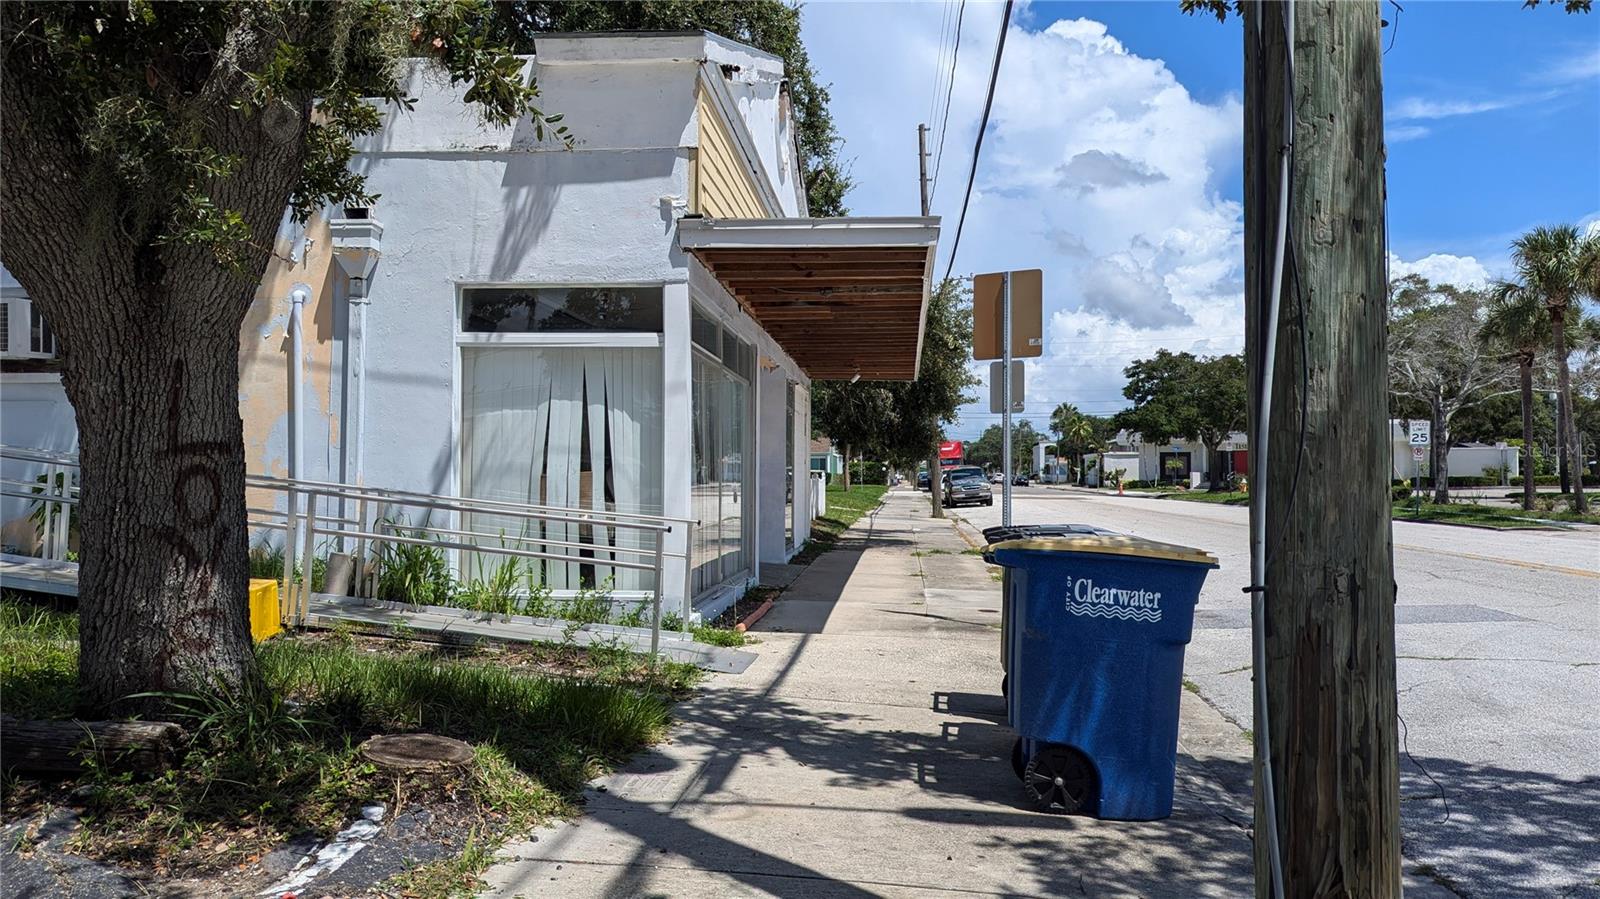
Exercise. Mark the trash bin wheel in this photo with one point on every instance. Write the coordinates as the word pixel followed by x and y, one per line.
pixel 1018 763
pixel 1059 779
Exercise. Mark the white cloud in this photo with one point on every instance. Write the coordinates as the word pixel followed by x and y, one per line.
pixel 1099 167
pixel 1422 108
pixel 1442 268
pixel 1394 134
pixel 1584 66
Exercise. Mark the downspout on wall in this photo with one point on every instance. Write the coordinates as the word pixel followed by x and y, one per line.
pixel 357 246
pixel 298 297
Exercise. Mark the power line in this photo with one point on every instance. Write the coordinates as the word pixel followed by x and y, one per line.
pixel 944 126
pixel 983 125
pixel 938 63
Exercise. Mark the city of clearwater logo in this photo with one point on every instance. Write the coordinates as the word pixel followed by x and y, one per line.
pixel 1086 598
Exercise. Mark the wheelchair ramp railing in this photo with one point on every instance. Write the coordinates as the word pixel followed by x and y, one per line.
pixel 473 567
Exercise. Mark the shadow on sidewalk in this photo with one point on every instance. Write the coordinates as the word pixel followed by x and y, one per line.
pixel 807 604
pixel 955 774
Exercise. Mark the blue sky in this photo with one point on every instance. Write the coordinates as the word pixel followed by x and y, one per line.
pixel 1113 156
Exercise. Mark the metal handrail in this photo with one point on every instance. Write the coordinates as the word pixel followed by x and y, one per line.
pixel 403 497
pixel 302 522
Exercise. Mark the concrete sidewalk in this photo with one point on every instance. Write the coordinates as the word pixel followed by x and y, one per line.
pixel 866 754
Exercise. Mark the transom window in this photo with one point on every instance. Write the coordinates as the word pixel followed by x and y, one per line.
pixel 528 310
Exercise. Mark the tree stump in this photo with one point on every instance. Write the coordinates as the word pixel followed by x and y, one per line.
pixel 416 752
pixel 61 746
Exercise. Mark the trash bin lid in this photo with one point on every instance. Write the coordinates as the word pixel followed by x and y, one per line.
pixel 1110 544
pixel 1003 532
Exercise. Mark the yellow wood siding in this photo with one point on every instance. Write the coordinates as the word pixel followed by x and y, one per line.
pixel 723 187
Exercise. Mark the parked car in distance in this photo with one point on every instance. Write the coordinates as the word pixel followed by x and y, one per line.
pixel 967 488
pixel 923 481
pixel 964 471
pixel 1020 480
pixel 997 478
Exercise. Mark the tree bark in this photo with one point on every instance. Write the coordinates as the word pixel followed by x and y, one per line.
pixel 844 452
pixel 1439 452
pixel 1572 450
pixel 936 483
pixel 1330 670
pixel 1529 488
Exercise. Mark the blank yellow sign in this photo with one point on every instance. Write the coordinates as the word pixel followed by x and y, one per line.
pixel 1027 314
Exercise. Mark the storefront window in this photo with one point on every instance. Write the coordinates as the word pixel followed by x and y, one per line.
pixel 564 426
pixel 721 490
pixel 788 464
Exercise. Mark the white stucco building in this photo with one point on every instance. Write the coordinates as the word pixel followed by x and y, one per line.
pixel 632 322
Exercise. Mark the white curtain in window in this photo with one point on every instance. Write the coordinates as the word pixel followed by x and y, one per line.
pixel 564 426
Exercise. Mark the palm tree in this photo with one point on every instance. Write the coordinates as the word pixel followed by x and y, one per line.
pixel 1561 268
pixel 1061 418
pixel 1080 436
pixel 1518 326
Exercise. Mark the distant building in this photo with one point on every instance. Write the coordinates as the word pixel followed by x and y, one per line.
pixel 825 457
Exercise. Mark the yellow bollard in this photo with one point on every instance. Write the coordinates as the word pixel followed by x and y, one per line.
pixel 265 618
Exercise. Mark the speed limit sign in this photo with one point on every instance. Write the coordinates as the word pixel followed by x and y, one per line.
pixel 1421 433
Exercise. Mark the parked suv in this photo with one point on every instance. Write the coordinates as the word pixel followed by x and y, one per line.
pixel 967 487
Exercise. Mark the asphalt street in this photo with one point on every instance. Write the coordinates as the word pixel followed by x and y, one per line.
pixel 1498 664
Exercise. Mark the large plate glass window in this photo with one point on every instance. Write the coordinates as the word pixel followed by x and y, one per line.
pixel 721 490
pixel 788 464
pixel 550 423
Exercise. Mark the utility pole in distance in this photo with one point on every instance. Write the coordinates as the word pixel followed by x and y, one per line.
pixel 922 163
pixel 1326 719
pixel 935 475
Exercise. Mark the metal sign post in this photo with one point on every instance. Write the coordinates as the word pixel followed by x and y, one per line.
pixel 1005 419
pixel 1420 434
pixel 1009 303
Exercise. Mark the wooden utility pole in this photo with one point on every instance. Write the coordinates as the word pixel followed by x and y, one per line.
pixel 935 479
pixel 1329 597
pixel 922 163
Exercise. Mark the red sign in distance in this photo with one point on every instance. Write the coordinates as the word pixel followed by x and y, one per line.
pixel 950 452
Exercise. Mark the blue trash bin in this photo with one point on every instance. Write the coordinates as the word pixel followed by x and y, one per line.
pixel 1096 668
pixel 1000 534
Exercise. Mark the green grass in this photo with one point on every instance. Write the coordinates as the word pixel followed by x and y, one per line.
pixel 1498 517
pixel 266 762
pixel 38 661
pixel 1206 496
pixel 1404 510
pixel 705 633
pixel 845 508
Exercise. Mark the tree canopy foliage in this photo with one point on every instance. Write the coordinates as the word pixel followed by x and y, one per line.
pixel 770 25
pixel 989 449
pixel 163 110
pixel 1181 395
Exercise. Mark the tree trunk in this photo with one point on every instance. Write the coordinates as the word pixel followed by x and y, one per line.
pixel 844 452
pixel 936 484
pixel 1572 451
pixel 1529 488
pixel 163 586
pixel 1439 452
pixel 1329 671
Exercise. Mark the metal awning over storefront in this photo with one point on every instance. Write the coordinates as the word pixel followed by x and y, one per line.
pixel 842 296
